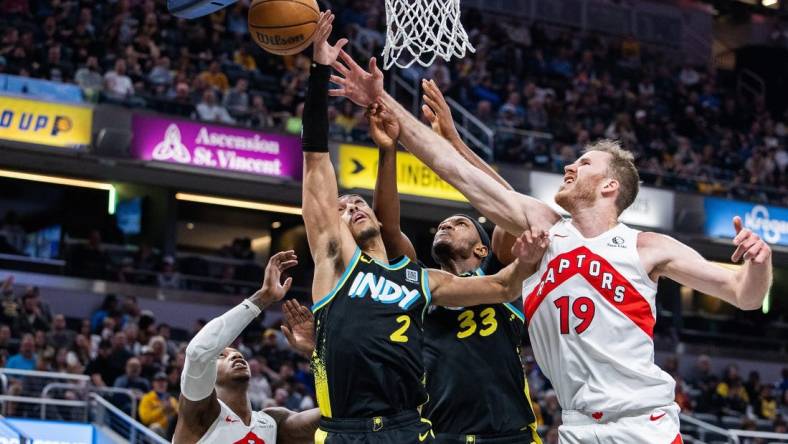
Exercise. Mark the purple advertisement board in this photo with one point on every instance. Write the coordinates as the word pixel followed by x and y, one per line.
pixel 208 145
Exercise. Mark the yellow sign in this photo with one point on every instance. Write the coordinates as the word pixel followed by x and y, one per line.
pixel 44 123
pixel 358 168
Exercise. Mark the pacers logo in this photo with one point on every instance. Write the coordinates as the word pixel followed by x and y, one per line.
pixel 45 123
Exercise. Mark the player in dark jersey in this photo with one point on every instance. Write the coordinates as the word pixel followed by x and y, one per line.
pixel 369 311
pixel 475 381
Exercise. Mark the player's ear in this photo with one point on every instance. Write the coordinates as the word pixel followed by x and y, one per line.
pixel 481 251
pixel 610 186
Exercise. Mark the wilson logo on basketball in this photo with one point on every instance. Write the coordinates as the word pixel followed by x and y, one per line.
pixel 279 40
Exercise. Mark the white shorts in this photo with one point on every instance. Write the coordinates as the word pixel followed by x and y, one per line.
pixel 658 426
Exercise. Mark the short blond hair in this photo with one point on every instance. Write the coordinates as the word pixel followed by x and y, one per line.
pixel 622 168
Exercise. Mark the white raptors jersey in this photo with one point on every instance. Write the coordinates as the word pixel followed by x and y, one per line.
pixel 230 429
pixel 591 313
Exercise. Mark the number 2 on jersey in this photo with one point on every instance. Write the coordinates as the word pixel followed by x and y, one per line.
pixel 583 308
pixel 468 323
pixel 399 334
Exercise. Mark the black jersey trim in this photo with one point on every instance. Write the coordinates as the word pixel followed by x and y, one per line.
pixel 342 279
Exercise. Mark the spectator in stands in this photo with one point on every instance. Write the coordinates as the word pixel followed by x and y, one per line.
pixel 767 408
pixel 157 408
pixel 236 101
pixel 60 336
pixel 243 58
pixel 215 78
pixel 80 351
pixel 753 387
pixel 89 79
pixel 165 331
pixel 147 361
pixel 108 309
pixel 158 346
pixel 118 356
pixel 118 85
pixel 732 391
pixel 259 116
pixel 11 307
pixel 210 111
pixel 32 318
pixel 259 388
pixel 8 346
pixel 131 380
pixel 169 277
pixel 161 73
pixel 26 358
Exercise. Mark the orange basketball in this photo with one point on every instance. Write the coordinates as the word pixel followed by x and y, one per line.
pixel 283 26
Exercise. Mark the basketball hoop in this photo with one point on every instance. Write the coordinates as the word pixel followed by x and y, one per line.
pixel 421 30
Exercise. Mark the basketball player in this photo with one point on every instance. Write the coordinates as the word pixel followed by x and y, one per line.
pixel 475 381
pixel 214 407
pixel 591 305
pixel 369 312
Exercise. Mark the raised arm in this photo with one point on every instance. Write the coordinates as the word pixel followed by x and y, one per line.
pixel 330 242
pixel 507 208
pixel 198 406
pixel 438 113
pixel 384 129
pixel 504 286
pixel 294 427
pixel 745 288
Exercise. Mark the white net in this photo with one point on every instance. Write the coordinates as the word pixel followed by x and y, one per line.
pixel 421 30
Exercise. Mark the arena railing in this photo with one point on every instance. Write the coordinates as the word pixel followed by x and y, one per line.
pixel 467 124
pixel 87 390
pixel 10 428
pixel 107 415
pixel 705 431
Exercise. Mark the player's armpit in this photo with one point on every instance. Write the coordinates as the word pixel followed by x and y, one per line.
pixel 195 418
pixel 295 428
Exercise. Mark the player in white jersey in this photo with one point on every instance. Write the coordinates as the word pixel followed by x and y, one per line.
pixel 590 305
pixel 214 407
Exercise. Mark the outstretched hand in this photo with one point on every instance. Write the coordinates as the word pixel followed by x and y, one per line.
pixel 383 127
pixel 273 288
pixel 749 245
pixel 324 53
pixel 359 86
pixel 299 327
pixel 437 111
pixel 530 247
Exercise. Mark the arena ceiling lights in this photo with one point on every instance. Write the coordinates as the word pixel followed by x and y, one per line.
pixel 67 181
pixel 260 206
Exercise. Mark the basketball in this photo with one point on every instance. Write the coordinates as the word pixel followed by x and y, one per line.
pixel 283 27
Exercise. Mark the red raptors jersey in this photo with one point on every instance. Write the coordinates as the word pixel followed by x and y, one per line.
pixel 591 313
pixel 229 429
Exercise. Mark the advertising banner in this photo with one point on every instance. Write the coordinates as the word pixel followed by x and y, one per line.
pixel 358 168
pixel 207 145
pixel 49 432
pixel 768 222
pixel 653 208
pixel 45 123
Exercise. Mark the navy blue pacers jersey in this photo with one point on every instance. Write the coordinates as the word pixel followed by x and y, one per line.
pixel 475 378
pixel 368 352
